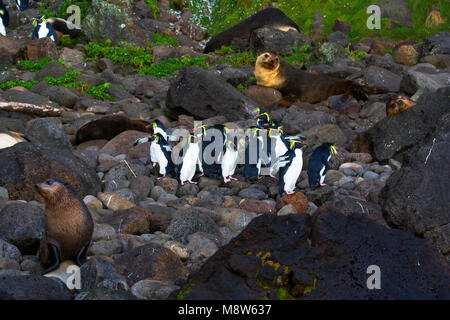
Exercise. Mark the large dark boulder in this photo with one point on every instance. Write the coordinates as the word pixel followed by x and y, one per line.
pixel 22 225
pixel 325 256
pixel 416 198
pixel 32 287
pixel 397 133
pixel 24 164
pixel 202 94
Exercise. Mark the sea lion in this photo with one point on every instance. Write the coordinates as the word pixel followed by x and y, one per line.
pixel 68 225
pixel 295 84
pixel 241 32
pixel 108 127
pixel 398 103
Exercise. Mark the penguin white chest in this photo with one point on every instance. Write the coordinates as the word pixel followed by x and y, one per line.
pixel 43 30
pixel 190 160
pixel 2 28
pixel 229 162
pixel 293 172
pixel 157 155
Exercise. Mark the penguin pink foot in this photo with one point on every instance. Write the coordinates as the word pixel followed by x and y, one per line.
pixel 192 182
pixel 323 184
pixel 233 178
pixel 272 176
pixel 290 192
pixel 226 180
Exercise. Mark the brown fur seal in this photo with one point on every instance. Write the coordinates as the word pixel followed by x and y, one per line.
pixel 296 84
pixel 108 127
pixel 68 225
pixel 241 32
pixel 398 103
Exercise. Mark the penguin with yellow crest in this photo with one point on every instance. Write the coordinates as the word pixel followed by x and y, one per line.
pixel 318 164
pixel 291 167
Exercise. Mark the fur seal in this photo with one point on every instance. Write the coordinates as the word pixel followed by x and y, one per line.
pixel 241 32
pixel 398 103
pixel 68 225
pixel 108 127
pixel 295 84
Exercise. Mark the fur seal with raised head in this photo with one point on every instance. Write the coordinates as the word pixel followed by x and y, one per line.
pixel 68 225
pixel 295 84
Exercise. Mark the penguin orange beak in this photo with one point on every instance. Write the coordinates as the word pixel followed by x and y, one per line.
pixel 147 126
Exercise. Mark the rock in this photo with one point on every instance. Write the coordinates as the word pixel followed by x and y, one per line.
pixel 257 206
pixel 318 26
pixel 374 111
pixel 180 250
pixel 340 38
pixel 136 220
pixel 287 209
pixel 9 251
pixel 22 225
pixel 370 175
pixel 422 176
pixel 106 247
pixel 187 190
pixel 112 20
pixel 99 273
pixel 234 219
pixel 298 200
pixel 106 162
pixel 105 294
pixel 333 176
pixel 19 94
pixel 103 232
pixel 9 264
pixel 397 12
pixel 141 186
pixel 10 50
pixel 263 96
pixel 205 182
pixel 153 290
pixel 4 197
pixel 271 39
pixel 320 195
pixel 279 257
pixel 329 53
pixel 190 221
pixel 38 49
pixel 202 94
pixel 24 165
pixel 300 117
pixel 114 201
pixel 393 134
pixel 169 185
pixel 53 69
pixel 123 144
pixel 342 26
pixel 61 95
pixel 45 132
pixel 424 76
pixel 360 157
pixel 353 206
pixel 386 62
pixel 439 43
pixel 157 192
pixel 72 57
pixel 379 80
pixel 440 61
pixel 152 262
pixel 325 133
pixel 396 165
pixel 406 54
pixel 32 287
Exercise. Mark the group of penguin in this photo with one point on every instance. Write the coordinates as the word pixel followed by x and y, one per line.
pixel 259 141
pixel 43 28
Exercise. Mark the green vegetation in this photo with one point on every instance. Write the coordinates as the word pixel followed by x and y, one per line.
pixel 160 39
pixel 224 50
pixel 298 55
pixel 100 92
pixel 62 9
pixel 243 86
pixel 218 15
pixel 169 66
pixel 153 7
pixel 34 66
pixel 67 80
pixel 358 55
pixel 17 83
pixel 242 58
pixel 124 55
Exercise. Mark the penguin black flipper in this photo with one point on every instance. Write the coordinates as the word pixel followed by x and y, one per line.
pixel 22 5
pixel 315 165
pixel 167 150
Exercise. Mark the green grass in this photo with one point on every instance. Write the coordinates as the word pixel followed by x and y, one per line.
pixel 242 58
pixel 62 9
pixel 224 50
pixel 100 92
pixel 124 55
pixel 218 15
pixel 168 67
pixel 34 66
pixel 17 83
pixel 162 39
pixel 298 55
pixel 67 80
pixel 153 7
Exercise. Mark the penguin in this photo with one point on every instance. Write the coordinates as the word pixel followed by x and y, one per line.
pixel 158 127
pixel 230 159
pixel 22 5
pixel 292 167
pixel 213 147
pixel 4 19
pixel 160 153
pixel 64 26
pixel 318 164
pixel 188 167
pixel 43 29
pixel 253 151
pixel 10 138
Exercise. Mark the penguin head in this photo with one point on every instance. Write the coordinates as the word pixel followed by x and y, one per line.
pixel 2 12
pixel 330 147
pixel 200 131
pixel 157 124
pixel 297 144
pixel 39 20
